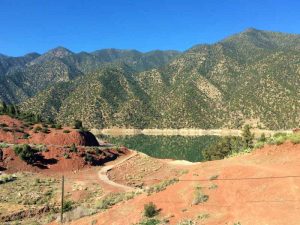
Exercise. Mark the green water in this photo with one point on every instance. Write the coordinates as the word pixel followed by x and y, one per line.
pixel 167 147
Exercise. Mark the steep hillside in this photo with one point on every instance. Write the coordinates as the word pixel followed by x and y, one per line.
pixel 104 98
pixel 251 77
pixel 24 77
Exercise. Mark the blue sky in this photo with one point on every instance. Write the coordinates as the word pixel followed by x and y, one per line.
pixel 87 25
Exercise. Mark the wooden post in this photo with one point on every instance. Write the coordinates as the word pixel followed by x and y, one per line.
pixel 62 199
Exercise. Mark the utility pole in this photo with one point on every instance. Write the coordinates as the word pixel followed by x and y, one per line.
pixel 62 199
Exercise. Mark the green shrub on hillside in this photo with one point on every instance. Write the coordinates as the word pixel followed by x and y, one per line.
pixel 78 124
pixel 295 139
pixel 26 153
pixel 150 210
pixel 247 136
pixel 73 148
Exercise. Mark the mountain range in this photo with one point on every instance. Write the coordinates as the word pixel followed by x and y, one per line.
pixel 250 77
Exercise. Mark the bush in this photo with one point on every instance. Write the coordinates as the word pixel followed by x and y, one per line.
pixel 58 126
pixel 295 139
pixel 37 129
pixel 78 124
pixel 68 206
pixel 45 130
pixel 3 145
pixel 262 138
pixel 259 144
pixel 278 139
pixel 89 158
pixel 66 156
pixel 66 131
pixel 73 148
pixel 199 197
pixel 26 136
pixel 26 153
pixel 150 210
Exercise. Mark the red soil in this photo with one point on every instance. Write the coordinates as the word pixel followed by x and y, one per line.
pixel 57 142
pixel 252 189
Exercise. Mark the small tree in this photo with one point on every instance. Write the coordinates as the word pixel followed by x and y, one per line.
pixel 4 107
pixel 37 118
pixel 150 210
pixel 247 137
pixel 11 110
pixel 262 138
pixel 78 124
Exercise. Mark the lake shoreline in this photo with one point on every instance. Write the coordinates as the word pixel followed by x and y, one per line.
pixel 181 132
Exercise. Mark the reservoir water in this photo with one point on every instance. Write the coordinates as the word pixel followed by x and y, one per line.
pixel 171 147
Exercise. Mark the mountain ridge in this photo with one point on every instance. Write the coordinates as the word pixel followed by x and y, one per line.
pixel 250 77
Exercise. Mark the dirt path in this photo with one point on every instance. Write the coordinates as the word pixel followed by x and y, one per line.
pixel 102 174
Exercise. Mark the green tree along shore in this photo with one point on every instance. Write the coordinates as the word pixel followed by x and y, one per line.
pixel 229 145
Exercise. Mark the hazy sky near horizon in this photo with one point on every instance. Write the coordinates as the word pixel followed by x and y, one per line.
pixel 81 25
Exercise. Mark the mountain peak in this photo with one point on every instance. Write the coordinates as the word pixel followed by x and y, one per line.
pixel 251 30
pixel 60 52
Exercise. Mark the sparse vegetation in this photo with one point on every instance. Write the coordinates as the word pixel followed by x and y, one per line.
pixel 161 186
pixel 32 193
pixel 213 186
pixel 214 177
pixel 150 221
pixel 3 145
pixel 37 129
pixel 199 196
pixel 5 178
pixel 114 198
pixel 187 222
pixel 203 216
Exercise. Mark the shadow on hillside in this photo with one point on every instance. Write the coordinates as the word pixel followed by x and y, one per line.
pixel 101 161
pixel 2 168
pixel 43 163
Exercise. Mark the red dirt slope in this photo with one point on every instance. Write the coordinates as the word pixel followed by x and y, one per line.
pixel 259 188
pixel 56 156
pixel 13 132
